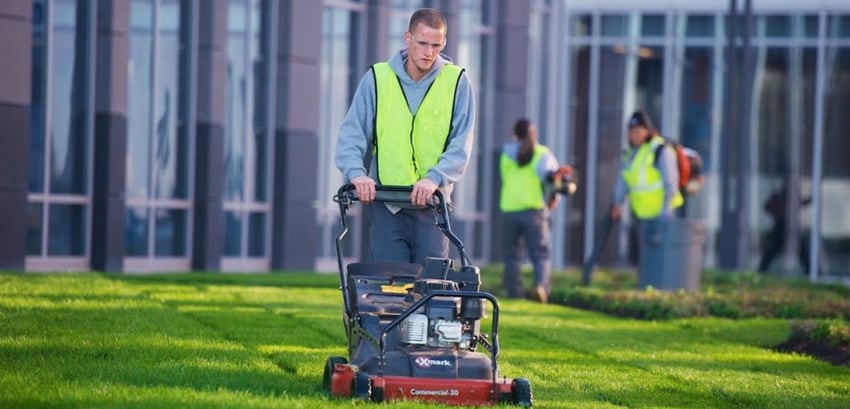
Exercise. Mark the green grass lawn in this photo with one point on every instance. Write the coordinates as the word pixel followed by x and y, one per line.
pixel 260 341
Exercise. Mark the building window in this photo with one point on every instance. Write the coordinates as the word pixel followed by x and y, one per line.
pixel 247 140
pixel 472 195
pixel 835 188
pixel 60 139
pixel 700 25
pixel 158 149
pixel 340 73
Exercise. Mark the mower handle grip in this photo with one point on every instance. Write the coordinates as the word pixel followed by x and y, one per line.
pixel 396 195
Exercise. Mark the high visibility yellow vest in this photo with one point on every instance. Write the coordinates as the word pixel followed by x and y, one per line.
pixel 522 188
pixel 646 188
pixel 407 145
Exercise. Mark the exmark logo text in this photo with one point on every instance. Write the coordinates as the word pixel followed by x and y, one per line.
pixel 425 362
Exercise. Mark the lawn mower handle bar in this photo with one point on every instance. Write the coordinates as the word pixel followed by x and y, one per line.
pixel 400 196
pixel 494 333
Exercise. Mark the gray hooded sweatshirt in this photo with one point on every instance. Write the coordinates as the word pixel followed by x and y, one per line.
pixel 355 133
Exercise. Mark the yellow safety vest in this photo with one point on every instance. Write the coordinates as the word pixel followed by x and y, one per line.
pixel 646 188
pixel 522 188
pixel 413 143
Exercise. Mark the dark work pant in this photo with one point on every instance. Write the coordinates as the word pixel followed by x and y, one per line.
pixel 408 236
pixel 530 227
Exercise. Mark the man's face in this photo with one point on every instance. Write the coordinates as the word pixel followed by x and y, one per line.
pixel 637 135
pixel 424 45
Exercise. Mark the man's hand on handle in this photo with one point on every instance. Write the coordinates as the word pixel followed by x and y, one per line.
pixel 422 192
pixel 365 188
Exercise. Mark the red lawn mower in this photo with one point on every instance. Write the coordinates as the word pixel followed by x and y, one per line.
pixel 414 329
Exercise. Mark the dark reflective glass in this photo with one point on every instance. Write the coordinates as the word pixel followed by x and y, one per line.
pixel 68 149
pixel 777 26
pixel 700 26
pixel 257 235
pixel 139 95
pixel 136 232
pixel 835 225
pixel 652 25
pixel 582 25
pixel 695 125
pixel 650 83
pixel 236 95
pixel 260 147
pixel 67 230
pixel 233 233
pixel 262 171
pixel 615 25
pixel 36 154
pixel 35 228
pixel 810 26
pixel 839 26
pixel 170 234
pixel 169 181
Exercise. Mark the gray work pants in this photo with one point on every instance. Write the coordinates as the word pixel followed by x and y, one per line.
pixel 407 236
pixel 529 227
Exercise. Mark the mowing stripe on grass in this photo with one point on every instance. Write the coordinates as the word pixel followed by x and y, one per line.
pixel 244 341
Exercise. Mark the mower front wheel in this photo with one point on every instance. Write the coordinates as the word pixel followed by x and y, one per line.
pixel 330 365
pixel 521 392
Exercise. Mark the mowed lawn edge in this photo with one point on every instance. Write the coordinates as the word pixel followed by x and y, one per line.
pixel 260 341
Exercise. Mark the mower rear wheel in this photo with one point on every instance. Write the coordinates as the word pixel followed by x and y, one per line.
pixel 361 386
pixel 521 392
pixel 330 364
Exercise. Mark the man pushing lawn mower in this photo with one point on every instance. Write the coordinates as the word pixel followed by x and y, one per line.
pixel 412 318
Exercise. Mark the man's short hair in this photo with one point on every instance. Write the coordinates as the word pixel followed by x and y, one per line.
pixel 430 17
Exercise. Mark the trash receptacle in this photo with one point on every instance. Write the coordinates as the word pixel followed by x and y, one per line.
pixel 671 253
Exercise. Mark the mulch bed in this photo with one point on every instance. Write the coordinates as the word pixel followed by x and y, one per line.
pixel 819 348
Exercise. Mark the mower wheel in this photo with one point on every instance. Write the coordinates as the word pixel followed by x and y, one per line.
pixel 361 386
pixel 329 370
pixel 377 394
pixel 521 392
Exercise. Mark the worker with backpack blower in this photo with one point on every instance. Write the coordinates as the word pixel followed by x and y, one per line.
pixel 649 176
pixel 651 183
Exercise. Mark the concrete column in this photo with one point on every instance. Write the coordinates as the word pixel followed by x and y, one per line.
pixel 110 135
pixel 15 99
pixel 208 234
pixel 296 144
pixel 510 102
pixel 377 34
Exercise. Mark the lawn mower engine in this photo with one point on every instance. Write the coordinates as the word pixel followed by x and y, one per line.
pixel 445 322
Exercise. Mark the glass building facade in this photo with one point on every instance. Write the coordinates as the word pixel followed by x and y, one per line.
pixel 159 150
pixel 224 119
pixel 606 60
pixel 59 172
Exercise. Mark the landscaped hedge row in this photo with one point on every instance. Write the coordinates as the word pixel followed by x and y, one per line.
pixel 650 304
pixel 733 295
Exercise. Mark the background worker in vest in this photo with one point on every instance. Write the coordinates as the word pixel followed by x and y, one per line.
pixel 652 184
pixel 525 205
pixel 415 114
